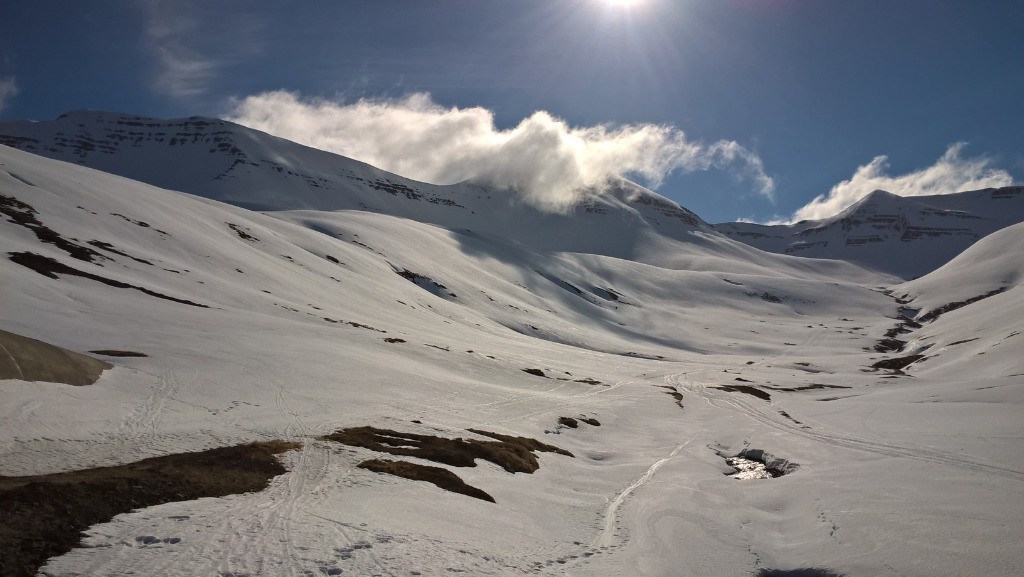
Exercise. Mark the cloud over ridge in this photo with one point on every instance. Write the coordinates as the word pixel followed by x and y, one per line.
pixel 543 158
pixel 951 173
pixel 8 90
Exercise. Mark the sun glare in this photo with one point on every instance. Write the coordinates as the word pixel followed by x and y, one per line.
pixel 622 3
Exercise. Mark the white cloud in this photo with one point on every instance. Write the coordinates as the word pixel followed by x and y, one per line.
pixel 8 90
pixel 193 43
pixel 951 173
pixel 183 70
pixel 543 157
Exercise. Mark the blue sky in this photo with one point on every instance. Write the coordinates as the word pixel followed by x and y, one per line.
pixel 805 93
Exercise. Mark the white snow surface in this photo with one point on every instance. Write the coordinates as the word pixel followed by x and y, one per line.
pixel 915 475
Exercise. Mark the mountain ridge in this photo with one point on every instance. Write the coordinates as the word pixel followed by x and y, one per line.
pixel 224 161
pixel 905 236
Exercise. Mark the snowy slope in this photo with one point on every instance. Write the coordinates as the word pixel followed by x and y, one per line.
pixel 969 310
pixel 904 236
pixel 912 475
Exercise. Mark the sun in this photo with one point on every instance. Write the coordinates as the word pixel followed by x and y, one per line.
pixel 622 3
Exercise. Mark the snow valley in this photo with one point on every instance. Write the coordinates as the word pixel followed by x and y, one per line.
pixel 450 379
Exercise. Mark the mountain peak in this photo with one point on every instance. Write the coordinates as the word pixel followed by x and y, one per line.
pixel 224 161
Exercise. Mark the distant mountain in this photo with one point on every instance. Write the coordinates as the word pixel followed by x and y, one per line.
pixel 904 236
pixel 224 161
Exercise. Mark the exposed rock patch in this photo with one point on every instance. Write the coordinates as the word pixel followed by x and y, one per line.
pixel 28 359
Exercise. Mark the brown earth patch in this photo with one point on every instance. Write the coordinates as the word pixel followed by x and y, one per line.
pixel 439 476
pixel 745 389
pixel 810 387
pixel 898 363
pixel 675 394
pixel 43 516
pixel 514 454
pixel 117 353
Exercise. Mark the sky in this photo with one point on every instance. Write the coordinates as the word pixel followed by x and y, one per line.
pixel 763 110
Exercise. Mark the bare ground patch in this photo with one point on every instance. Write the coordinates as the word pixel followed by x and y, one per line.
pixel 49 267
pixel 439 476
pixel 753 391
pixel 43 516
pixel 810 387
pixel 897 364
pixel 118 353
pixel 514 454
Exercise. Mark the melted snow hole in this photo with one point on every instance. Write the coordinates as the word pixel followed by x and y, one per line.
pixel 757 464
pixel 748 469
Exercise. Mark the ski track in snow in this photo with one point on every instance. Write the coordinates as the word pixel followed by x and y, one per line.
pixel 610 523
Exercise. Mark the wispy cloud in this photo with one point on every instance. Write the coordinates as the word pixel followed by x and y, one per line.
pixel 543 157
pixel 950 173
pixel 183 71
pixel 8 90
pixel 192 44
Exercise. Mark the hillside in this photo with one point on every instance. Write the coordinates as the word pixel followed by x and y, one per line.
pixel 634 361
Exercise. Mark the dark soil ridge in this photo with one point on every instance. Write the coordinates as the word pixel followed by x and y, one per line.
pixel 423 281
pixel 802 572
pixel 441 477
pixel 898 363
pixel 810 387
pixel 43 516
pixel 937 312
pixel 514 454
pixel 574 423
pixel 24 214
pixel 50 267
pixel 118 353
pixel 674 393
pixel 753 391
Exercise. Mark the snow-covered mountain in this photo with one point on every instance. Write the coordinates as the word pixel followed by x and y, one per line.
pixel 630 335
pixel 904 236
pixel 224 161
